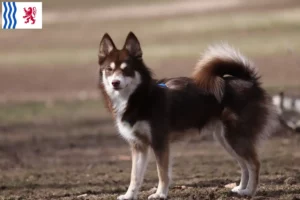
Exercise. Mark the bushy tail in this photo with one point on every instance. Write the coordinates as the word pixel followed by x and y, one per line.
pixel 218 61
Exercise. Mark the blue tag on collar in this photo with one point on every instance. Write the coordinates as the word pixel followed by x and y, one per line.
pixel 162 85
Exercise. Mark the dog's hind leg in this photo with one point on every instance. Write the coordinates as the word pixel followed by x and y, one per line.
pixel 253 166
pixel 163 163
pixel 244 150
pixel 219 136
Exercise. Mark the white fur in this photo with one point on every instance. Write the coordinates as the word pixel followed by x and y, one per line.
pixel 112 65
pixel 224 52
pixel 252 183
pixel 127 87
pixel 158 196
pixel 139 165
pixel 163 187
pixel 250 190
pixel 119 100
pixel 127 131
pixel 123 65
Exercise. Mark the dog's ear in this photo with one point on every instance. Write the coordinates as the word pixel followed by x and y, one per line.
pixel 106 46
pixel 133 46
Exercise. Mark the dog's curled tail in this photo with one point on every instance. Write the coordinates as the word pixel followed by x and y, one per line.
pixel 218 61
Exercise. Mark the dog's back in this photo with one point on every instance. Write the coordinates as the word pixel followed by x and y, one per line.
pixel 188 106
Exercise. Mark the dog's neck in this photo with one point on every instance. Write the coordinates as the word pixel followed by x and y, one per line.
pixel 118 99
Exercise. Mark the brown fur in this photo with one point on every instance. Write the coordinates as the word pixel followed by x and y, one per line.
pixel 106 98
pixel 207 79
pixel 163 164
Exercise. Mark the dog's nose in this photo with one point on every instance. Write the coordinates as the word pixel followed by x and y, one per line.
pixel 116 83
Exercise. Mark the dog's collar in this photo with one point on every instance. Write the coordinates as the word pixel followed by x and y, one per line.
pixel 162 85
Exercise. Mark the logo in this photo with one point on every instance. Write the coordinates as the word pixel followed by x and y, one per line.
pixel 30 14
pixel 22 15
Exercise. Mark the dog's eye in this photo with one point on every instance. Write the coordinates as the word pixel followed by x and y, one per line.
pixel 126 69
pixel 109 69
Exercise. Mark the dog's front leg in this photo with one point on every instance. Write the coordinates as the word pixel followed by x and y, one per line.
pixel 163 163
pixel 139 165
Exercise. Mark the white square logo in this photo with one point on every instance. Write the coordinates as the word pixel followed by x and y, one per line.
pixel 22 15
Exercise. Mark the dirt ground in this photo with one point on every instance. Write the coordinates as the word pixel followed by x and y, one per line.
pixel 86 159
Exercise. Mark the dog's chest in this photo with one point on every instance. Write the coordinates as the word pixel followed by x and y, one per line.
pixel 139 132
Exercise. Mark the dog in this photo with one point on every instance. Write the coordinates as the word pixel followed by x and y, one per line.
pixel 224 89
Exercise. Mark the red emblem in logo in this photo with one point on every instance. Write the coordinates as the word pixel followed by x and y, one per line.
pixel 30 14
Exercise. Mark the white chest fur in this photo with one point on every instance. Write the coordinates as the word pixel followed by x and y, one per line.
pixel 119 100
pixel 130 133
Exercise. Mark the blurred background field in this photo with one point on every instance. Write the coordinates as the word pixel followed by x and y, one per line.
pixel 52 120
pixel 60 61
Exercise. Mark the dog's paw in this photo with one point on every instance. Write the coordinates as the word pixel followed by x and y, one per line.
pixel 126 197
pixel 158 196
pixel 243 192
pixel 236 189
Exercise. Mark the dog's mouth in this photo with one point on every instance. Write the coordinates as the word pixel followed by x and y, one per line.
pixel 117 88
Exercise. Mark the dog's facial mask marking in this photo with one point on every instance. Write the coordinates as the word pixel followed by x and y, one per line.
pixel 117 69
pixel 119 80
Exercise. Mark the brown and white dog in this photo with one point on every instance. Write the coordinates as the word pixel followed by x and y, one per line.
pixel 224 89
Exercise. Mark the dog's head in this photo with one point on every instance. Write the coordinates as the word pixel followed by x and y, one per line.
pixel 121 70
